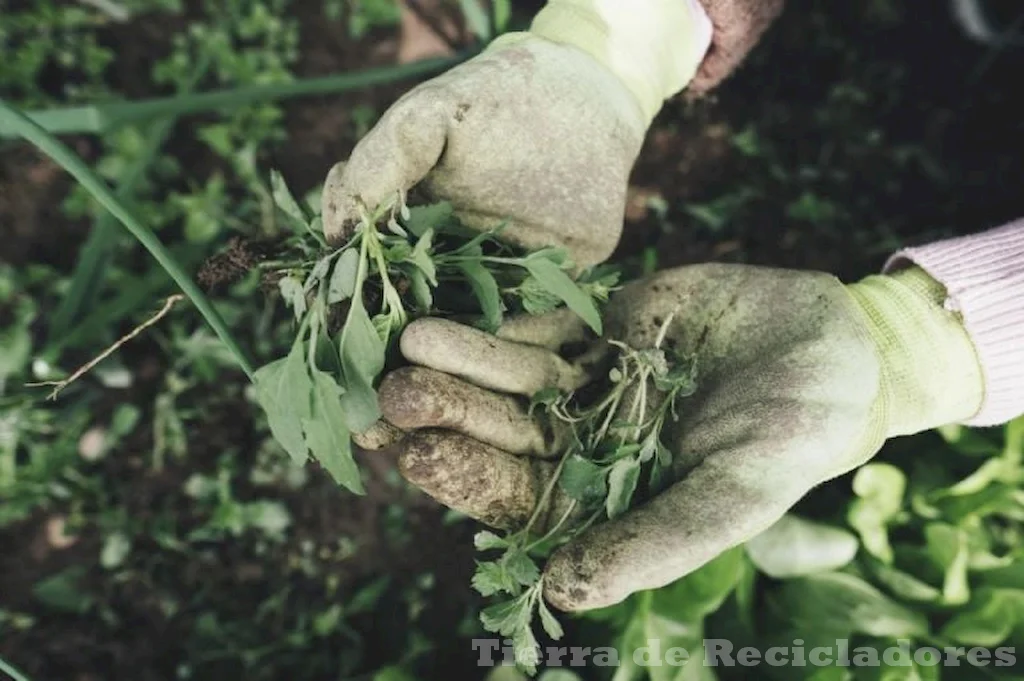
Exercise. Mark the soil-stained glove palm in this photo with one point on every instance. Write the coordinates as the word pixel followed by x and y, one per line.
pixel 540 131
pixel 800 379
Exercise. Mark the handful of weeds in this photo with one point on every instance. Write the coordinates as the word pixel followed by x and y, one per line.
pixel 350 305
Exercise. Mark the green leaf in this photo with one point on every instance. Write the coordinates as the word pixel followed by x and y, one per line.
pixel 432 217
pixel 967 441
pixel 421 291
pixel 536 299
pixel 793 547
pixel 903 584
pixel 393 673
pixel 502 14
pixel 839 604
pixel 343 280
pixel 328 436
pixel 673 617
pixel 528 655
pixel 116 547
pixel 421 257
pixel 318 272
pixel 879 488
pixel 503 618
pixel 485 288
pixel 362 360
pixel 989 619
pixel 491 577
pixel 283 390
pixel 582 479
pixel 398 250
pixel 368 596
pixel 947 546
pixel 547 620
pixel 477 20
pixel 622 480
pixel 286 202
pixel 702 591
pixel 486 540
pixel 63 591
pixel 558 283
pixel 294 295
pixel 521 568
pixel 555 674
pixel 397 229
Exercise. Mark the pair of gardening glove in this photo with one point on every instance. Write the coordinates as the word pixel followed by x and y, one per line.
pixel 799 377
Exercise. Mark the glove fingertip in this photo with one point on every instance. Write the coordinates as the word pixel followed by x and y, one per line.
pixel 335 208
pixel 485 483
pixel 569 580
pixel 381 435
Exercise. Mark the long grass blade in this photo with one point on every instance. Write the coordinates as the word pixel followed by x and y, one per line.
pixel 105 117
pixel 11 671
pixel 69 161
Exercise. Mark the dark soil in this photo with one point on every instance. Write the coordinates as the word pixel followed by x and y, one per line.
pixel 899 128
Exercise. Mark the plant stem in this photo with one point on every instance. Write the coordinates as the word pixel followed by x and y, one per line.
pixel 11 671
pixel 105 117
pixel 555 528
pixel 546 496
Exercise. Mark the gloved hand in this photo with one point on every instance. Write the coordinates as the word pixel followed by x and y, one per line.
pixel 800 379
pixel 540 131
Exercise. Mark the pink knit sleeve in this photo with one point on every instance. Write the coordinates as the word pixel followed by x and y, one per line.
pixel 984 278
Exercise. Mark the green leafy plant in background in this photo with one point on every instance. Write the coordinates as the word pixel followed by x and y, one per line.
pixel 925 550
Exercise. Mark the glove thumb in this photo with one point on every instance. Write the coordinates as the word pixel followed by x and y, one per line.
pixel 399 152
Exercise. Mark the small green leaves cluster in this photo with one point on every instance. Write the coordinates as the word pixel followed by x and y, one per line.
pixel 618 441
pixel 516 576
pixel 615 454
pixel 400 263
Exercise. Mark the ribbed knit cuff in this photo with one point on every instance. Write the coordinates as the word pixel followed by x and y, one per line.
pixel 984 279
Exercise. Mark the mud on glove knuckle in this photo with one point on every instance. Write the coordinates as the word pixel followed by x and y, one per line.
pixel 484 360
pixel 417 397
pixel 483 482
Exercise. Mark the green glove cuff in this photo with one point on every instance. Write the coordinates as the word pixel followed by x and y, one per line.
pixel 653 47
pixel 931 375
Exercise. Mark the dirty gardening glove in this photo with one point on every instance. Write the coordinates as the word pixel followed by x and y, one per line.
pixel 541 130
pixel 800 379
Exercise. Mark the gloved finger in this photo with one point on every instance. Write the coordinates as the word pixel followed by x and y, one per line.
pixel 396 154
pixel 729 498
pixel 380 436
pixel 492 486
pixel 487 361
pixel 416 397
pixel 550 331
pixel 490 418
